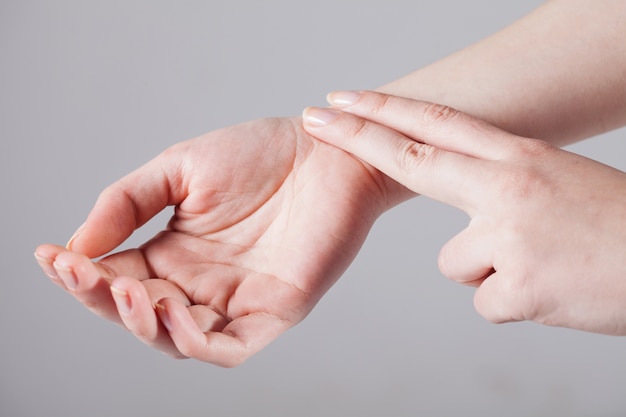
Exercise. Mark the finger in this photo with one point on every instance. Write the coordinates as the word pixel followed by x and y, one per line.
pixel 131 262
pixel 445 176
pixel 467 257
pixel 207 319
pixel 45 256
pixel 238 341
pixel 135 303
pixel 500 300
pixel 88 282
pixel 435 124
pixel 126 205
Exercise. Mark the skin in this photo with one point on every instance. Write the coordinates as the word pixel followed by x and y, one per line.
pixel 546 237
pixel 557 74
pixel 266 220
pixel 267 217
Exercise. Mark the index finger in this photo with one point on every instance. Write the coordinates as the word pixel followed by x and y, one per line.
pixel 450 177
pixel 435 124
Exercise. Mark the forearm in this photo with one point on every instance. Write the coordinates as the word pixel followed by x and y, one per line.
pixel 557 74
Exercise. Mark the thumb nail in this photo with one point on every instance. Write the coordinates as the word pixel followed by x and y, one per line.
pixel 73 238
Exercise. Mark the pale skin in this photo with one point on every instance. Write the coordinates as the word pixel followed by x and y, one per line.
pixel 558 74
pixel 266 220
pixel 547 232
pixel 268 217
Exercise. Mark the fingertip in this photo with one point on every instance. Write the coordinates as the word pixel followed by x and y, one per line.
pixel 109 223
pixel 89 243
pixel 341 99
pixel 122 300
pixel 318 116
pixel 130 294
pixel 164 314
pixel 44 256
pixel 70 243
pixel 48 251
pixel 123 283
pixel 75 270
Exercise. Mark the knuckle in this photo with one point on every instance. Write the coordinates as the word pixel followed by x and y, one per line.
pixel 520 183
pixel 435 114
pixel 358 128
pixel 513 299
pixel 380 103
pixel 412 156
pixel 174 151
pixel 188 350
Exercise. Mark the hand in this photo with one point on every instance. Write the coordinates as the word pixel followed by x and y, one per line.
pixel 266 220
pixel 547 235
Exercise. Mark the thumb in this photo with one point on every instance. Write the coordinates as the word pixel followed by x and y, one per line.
pixel 124 206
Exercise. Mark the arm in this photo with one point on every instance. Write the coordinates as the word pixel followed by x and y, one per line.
pixel 558 74
pixel 277 223
pixel 547 233
pixel 266 220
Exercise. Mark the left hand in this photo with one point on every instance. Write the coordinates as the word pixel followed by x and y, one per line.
pixel 266 219
pixel 547 236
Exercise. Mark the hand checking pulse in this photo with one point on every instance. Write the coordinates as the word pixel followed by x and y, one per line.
pixel 547 235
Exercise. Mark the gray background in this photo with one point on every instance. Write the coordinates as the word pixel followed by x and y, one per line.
pixel 91 90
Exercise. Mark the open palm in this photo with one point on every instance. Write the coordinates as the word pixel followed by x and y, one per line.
pixel 266 220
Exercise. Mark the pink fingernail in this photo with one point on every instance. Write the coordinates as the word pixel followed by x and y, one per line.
pixel 122 300
pixel 342 98
pixel 74 236
pixel 317 116
pixel 46 266
pixel 164 316
pixel 67 275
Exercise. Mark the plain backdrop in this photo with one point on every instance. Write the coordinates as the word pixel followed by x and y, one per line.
pixel 91 90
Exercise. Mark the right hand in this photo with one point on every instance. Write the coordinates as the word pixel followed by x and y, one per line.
pixel 547 235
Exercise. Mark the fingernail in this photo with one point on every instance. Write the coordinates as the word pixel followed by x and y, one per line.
pixel 122 300
pixel 46 266
pixel 317 116
pixel 164 316
pixel 342 98
pixel 67 276
pixel 74 236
